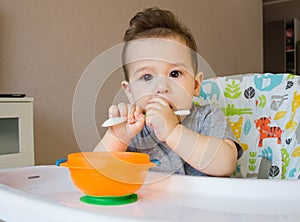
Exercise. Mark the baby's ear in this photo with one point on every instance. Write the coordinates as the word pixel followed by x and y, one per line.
pixel 127 90
pixel 198 82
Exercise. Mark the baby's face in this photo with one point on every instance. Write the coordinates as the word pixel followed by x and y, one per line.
pixel 161 68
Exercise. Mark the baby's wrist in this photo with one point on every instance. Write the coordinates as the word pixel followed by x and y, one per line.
pixel 174 135
pixel 117 140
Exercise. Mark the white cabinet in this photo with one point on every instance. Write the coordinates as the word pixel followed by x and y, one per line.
pixel 16 132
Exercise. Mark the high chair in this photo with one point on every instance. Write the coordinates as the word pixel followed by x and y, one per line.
pixel 263 111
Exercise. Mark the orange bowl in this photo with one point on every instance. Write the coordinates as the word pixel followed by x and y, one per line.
pixel 108 173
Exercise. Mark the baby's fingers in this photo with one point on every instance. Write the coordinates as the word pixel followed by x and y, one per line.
pixel 123 110
pixel 139 118
pixel 139 114
pixel 113 111
pixel 138 110
pixel 131 110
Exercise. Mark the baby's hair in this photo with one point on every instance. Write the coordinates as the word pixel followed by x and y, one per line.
pixel 157 23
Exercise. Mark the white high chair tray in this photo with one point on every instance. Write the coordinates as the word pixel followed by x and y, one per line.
pixel 46 193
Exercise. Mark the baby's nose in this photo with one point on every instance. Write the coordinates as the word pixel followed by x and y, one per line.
pixel 162 91
pixel 162 86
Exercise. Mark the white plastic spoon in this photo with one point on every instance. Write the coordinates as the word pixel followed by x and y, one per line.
pixel 117 120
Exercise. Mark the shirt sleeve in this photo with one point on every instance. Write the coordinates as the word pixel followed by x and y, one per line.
pixel 215 124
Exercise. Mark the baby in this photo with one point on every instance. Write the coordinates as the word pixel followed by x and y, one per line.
pixel 160 65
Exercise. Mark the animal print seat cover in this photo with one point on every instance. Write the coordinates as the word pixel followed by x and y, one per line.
pixel 263 111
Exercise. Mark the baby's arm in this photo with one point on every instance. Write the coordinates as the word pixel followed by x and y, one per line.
pixel 118 137
pixel 208 154
pixel 109 142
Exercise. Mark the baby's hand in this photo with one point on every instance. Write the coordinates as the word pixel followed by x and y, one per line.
pixel 134 124
pixel 161 118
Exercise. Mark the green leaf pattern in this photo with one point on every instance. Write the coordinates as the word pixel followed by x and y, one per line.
pixel 262 101
pixel 285 161
pixel 233 90
pixel 252 161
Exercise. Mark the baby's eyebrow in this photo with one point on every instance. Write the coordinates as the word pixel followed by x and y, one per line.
pixel 180 64
pixel 142 69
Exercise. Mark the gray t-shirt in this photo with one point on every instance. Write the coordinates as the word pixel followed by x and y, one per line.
pixel 207 120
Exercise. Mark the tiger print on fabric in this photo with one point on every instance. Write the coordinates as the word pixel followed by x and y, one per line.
pixel 267 131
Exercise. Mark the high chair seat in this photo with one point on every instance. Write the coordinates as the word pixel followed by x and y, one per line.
pixel 264 115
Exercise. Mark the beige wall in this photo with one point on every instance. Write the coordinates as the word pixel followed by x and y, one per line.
pixel 46 44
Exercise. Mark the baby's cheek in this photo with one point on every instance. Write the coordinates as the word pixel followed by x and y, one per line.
pixel 140 99
pixel 183 102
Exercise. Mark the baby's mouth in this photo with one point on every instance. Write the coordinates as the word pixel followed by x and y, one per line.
pixel 169 101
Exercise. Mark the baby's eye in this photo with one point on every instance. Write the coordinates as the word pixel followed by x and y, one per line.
pixel 147 77
pixel 175 74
